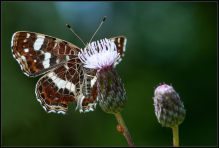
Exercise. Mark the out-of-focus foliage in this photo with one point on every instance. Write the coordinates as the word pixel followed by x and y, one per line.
pixel 171 42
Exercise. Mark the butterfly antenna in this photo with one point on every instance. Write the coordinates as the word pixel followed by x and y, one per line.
pixel 75 33
pixel 98 28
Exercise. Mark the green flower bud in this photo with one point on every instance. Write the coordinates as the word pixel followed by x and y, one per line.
pixel 169 109
pixel 111 92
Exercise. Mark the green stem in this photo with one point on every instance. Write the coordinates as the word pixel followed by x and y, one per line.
pixel 126 132
pixel 175 136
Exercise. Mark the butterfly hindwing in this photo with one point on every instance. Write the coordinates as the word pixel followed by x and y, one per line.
pixel 66 84
pixel 58 87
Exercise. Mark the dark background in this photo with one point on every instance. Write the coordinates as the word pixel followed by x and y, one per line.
pixel 171 42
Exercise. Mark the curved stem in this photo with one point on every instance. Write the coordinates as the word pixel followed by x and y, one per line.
pixel 126 132
pixel 175 136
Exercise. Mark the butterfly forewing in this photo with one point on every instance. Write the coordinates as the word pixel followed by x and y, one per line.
pixel 67 80
pixel 120 43
pixel 38 53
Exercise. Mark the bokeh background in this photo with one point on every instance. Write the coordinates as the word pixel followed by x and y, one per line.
pixel 171 42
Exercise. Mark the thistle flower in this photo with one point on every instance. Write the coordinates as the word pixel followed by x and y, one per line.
pixel 111 92
pixel 169 109
pixel 101 57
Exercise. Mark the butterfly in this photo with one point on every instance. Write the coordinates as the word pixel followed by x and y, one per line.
pixel 66 79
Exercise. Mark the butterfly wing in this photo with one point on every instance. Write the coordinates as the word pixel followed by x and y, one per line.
pixel 37 53
pixel 120 43
pixel 62 85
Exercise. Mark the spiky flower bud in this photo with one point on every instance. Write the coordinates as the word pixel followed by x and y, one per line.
pixel 111 93
pixel 101 57
pixel 169 109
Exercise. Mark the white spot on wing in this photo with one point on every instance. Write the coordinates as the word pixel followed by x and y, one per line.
pixel 37 47
pixel 51 74
pixel 23 58
pixel 66 66
pixel 26 50
pixel 28 35
pixel 93 81
pixel 46 63
pixel 70 86
pixel 61 84
pixel 47 55
pixel 38 43
pixel 55 79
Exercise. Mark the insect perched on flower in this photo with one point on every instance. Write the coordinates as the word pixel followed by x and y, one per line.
pixel 68 79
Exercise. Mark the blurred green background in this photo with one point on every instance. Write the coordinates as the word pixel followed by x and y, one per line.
pixel 171 42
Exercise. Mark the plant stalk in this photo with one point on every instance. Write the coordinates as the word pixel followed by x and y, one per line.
pixel 175 136
pixel 126 132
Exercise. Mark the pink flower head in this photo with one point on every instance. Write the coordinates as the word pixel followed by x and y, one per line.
pixel 100 55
